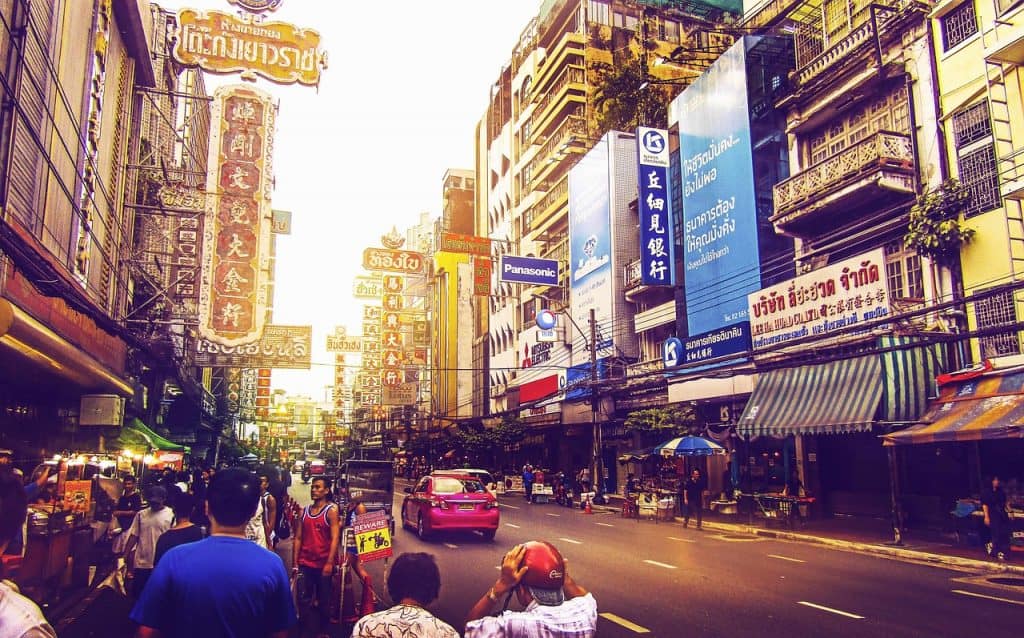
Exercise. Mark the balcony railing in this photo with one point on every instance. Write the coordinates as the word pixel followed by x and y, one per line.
pixel 573 126
pixel 560 190
pixel 559 252
pixel 883 149
pixel 632 274
pixel 875 18
pixel 644 368
pixel 571 75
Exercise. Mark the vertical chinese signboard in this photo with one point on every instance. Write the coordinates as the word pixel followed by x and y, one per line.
pixel 656 250
pixel 236 247
pixel 391 341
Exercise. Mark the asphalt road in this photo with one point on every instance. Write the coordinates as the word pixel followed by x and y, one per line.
pixel 663 580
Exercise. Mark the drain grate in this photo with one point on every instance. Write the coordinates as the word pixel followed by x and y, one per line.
pixel 1005 580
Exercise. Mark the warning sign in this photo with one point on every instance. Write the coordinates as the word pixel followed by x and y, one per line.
pixel 373 536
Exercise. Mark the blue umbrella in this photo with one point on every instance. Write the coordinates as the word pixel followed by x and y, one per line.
pixel 689 446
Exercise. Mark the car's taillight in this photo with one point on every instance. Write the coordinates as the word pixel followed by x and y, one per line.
pixel 438 502
pixel 491 505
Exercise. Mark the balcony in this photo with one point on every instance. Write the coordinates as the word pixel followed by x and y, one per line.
pixel 644 368
pixel 861 38
pixel 573 75
pixel 875 171
pixel 574 126
pixel 544 211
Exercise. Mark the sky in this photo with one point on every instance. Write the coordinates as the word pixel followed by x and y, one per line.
pixel 405 86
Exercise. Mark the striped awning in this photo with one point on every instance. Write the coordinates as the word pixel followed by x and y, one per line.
pixel 840 396
pixel 990 406
pixel 909 368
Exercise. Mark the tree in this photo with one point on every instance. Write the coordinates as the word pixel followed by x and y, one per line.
pixel 622 101
pixel 935 229
pixel 667 421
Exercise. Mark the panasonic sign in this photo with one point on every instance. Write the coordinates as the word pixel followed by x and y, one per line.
pixel 529 270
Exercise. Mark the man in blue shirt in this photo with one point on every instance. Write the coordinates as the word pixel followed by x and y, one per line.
pixel 224 586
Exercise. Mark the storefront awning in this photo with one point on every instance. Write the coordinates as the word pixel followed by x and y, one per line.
pixel 840 396
pixel 158 442
pixel 988 407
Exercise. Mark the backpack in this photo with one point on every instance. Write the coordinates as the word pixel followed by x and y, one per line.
pixel 283 530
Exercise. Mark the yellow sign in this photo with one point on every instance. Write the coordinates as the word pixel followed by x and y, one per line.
pixel 373 536
pixel 223 43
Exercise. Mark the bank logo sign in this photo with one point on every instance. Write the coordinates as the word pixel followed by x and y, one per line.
pixel 529 270
pixel 657 254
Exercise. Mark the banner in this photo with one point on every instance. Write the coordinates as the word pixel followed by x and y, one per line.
pixel 279 347
pixel 236 243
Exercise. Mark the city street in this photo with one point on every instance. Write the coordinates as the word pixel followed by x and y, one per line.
pixel 662 579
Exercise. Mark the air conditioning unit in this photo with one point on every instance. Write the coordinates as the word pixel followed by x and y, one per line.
pixel 101 409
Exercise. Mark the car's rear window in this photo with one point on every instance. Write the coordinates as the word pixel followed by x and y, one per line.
pixel 451 485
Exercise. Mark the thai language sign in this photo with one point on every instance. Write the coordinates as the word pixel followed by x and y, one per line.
pixel 401 394
pixel 720 247
pixel 367 287
pixel 223 43
pixel 832 298
pixel 387 260
pixel 372 536
pixel 279 347
pixel 236 242
pixel 657 261
pixel 468 244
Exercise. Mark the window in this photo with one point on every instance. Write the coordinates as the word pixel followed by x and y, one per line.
pixel 976 158
pixel 887 112
pixel 958 25
pixel 971 125
pixel 600 12
pixel 903 272
pixel 997 310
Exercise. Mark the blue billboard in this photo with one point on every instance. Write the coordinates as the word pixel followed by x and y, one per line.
pixel 657 254
pixel 529 270
pixel 577 379
pixel 720 250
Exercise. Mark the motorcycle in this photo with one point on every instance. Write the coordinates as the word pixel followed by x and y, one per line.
pixel 563 496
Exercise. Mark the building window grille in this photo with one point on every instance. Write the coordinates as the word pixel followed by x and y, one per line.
pixel 978 173
pixel 958 25
pixel 971 125
pixel 994 311
pixel 903 272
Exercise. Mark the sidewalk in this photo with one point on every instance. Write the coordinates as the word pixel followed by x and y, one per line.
pixel 866 536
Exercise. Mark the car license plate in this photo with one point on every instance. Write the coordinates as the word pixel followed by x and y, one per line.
pixel 466 506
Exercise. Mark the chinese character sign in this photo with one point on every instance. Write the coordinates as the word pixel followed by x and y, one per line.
pixel 236 242
pixel 656 249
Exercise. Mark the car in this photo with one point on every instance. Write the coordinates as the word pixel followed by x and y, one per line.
pixel 484 476
pixel 450 502
pixel 297 466
pixel 312 469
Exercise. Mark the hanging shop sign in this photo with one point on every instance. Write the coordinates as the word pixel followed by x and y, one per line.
pixel 279 347
pixel 186 206
pixel 371 313
pixel 529 270
pixel 364 287
pixel 257 6
pixel 282 222
pixel 397 261
pixel 223 43
pixel 402 394
pixel 482 269
pixel 656 245
pixel 465 244
pixel 236 244
pixel 344 343
pixel 837 297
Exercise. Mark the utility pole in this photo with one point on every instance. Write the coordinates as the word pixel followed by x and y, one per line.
pixel 598 466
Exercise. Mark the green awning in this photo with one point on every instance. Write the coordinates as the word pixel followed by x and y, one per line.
pixel 835 397
pixel 909 375
pixel 155 440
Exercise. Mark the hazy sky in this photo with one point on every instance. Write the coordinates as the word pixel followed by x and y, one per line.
pixel 406 83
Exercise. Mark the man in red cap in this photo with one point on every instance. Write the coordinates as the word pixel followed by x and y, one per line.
pixel 553 603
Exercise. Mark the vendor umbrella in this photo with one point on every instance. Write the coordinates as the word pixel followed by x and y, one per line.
pixel 689 446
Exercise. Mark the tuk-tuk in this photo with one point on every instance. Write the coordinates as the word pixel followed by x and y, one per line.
pixel 371 481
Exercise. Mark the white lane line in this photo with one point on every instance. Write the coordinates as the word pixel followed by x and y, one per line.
pixel 656 563
pixel 511 507
pixel 550 514
pixel 512 525
pixel 570 540
pixel 605 524
pixel 964 592
pixel 619 620
pixel 792 560
pixel 683 540
pixel 830 610
pixel 451 546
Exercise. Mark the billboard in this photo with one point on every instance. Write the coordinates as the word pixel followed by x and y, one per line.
pixel 577 379
pixel 720 249
pixel 657 254
pixel 397 261
pixel 236 241
pixel 279 347
pixel 832 298
pixel 529 270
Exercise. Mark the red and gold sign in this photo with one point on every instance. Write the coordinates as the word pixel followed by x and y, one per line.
pixel 393 283
pixel 223 43
pixel 236 248
pixel 465 244
pixel 482 267
pixel 391 378
pixel 392 302
pixel 391 339
pixel 399 261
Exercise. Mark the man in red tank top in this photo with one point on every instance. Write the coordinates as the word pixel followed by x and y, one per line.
pixel 315 551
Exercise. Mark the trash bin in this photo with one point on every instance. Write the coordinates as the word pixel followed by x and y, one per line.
pixel 666 508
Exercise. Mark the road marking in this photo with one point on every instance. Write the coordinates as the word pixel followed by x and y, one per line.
pixel 665 565
pixel 964 592
pixel 512 525
pixel 830 610
pixel 605 524
pixel 569 540
pixel 511 507
pixel 684 540
pixel 550 514
pixel 619 620
pixel 451 546
pixel 792 560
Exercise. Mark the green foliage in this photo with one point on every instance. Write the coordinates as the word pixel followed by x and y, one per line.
pixel 621 101
pixel 935 229
pixel 676 420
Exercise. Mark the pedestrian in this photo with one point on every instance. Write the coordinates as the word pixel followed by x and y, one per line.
pixel 997 519
pixel 16 546
pixel 128 504
pixel 413 583
pixel 256 529
pixel 554 605
pixel 19 616
pixel 315 552
pixel 183 531
pixel 693 498
pixel 143 534
pixel 224 586
pixel 528 477
pixel 583 478
pixel 269 506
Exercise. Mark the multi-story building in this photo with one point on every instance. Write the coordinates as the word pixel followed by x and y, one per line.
pixel 71 74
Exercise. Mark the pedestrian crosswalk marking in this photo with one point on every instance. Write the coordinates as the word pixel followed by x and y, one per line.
pixel 830 610
pixel 512 525
pixel 656 563
pixel 451 546
pixel 619 620
pixel 569 540
pixel 605 524
pixel 964 592
pixel 550 514
pixel 792 560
